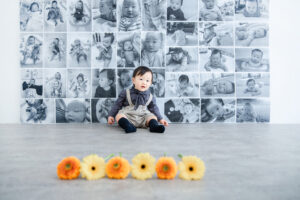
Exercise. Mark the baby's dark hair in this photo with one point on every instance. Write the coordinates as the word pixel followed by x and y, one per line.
pixel 51 13
pixel 80 75
pixel 257 50
pixel 250 80
pixel 180 26
pixel 141 70
pixel 34 3
pixel 54 2
pixel 110 74
pixel 111 35
pixel 252 1
pixel 233 89
pixel 216 51
pixel 81 55
pixel 183 77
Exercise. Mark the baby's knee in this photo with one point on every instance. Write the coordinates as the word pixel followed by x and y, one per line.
pixel 119 116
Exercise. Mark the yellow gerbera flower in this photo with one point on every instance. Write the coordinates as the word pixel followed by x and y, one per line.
pixel 191 168
pixel 92 167
pixel 143 166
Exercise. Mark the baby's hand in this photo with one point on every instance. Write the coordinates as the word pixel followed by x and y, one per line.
pixel 111 120
pixel 163 122
pixel 172 17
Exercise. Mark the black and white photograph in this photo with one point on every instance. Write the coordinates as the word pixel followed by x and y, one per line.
pixel 184 110
pixel 100 109
pixel 31 15
pixel 246 10
pixel 216 60
pixel 73 110
pixel 129 15
pixel 252 84
pixel 182 85
pixel 158 84
pixel 216 10
pixel 128 50
pixel 179 59
pixel 55 83
pixel 218 110
pixel 78 83
pixel 215 34
pixel 79 15
pixel 124 79
pixel 252 60
pixel 104 15
pixel 104 83
pixel 251 34
pixel 55 50
pixel 104 50
pixel 182 10
pixel 31 50
pixel 55 16
pixel 253 110
pixel 79 50
pixel 37 111
pixel 217 85
pixel 154 15
pixel 152 53
pixel 182 34
pixel 32 83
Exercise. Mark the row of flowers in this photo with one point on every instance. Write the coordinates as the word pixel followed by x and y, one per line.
pixel 143 167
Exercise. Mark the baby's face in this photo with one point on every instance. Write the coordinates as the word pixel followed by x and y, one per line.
pixel 107 41
pixel 175 4
pixel 75 112
pixel 57 76
pixel 177 56
pixel 79 5
pixel 251 85
pixel 128 46
pixel 125 79
pixel 215 109
pixel 225 87
pixel 105 6
pixel 188 108
pixel 34 7
pixel 54 4
pixel 79 80
pixel 130 9
pixel 103 80
pixel 32 82
pixel 256 57
pixel 31 40
pixel 55 84
pixel 260 33
pixel 183 85
pixel 215 59
pixel 248 109
pixel 208 32
pixel 209 4
pixel 251 7
pixel 152 42
pixel 142 83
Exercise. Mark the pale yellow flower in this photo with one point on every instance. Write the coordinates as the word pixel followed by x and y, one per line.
pixel 92 167
pixel 191 168
pixel 143 166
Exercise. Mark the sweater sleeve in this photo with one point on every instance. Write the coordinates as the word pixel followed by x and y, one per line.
pixel 154 109
pixel 118 104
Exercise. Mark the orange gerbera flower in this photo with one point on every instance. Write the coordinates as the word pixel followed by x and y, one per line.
pixel 166 168
pixel 68 168
pixel 117 168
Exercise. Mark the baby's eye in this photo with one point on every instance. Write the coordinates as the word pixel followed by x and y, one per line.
pixel 141 79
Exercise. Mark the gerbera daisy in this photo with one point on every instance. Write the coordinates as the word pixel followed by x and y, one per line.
pixel 93 167
pixel 191 168
pixel 117 168
pixel 166 168
pixel 143 166
pixel 68 168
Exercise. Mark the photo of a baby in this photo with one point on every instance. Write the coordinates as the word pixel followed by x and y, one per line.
pixel 154 15
pixel 251 10
pixel 55 50
pixel 182 34
pixel 218 110
pixel 79 15
pixel 158 84
pixel 104 83
pixel 129 15
pixel 55 83
pixel 31 15
pixel 124 79
pixel 78 83
pixel 79 50
pixel 128 53
pixel 55 16
pixel 100 109
pixel 182 59
pixel 253 84
pixel 251 34
pixel 32 83
pixel 104 15
pixel 31 51
pixel 216 10
pixel 182 10
pixel 252 60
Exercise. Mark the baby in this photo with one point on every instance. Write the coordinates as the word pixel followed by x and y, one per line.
pixel 55 49
pixel 54 13
pixel 33 19
pixel 31 50
pixel 103 109
pixel 251 9
pixel 215 110
pixel 104 47
pixel 158 86
pixel 80 16
pixel 215 61
pixel 179 36
pixel 255 63
pixel 79 87
pixel 76 112
pixel 189 114
pixel 124 79
pixel 184 88
pixel 154 18
pixel 37 110
pixel 179 59
pixel 129 54
pixel 174 11
pixel 106 87
pixel 248 114
pixel 210 12
pixel 55 84
pixel 247 34
pixel 136 107
pixel 130 17
pixel 210 37
pixel 152 53
pixel 107 9
pixel 77 51
pixel 252 88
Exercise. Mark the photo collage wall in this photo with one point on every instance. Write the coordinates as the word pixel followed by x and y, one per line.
pixel 210 58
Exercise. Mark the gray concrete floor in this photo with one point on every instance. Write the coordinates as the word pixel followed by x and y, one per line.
pixel 243 162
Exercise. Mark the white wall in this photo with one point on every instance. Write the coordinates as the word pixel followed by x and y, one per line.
pixel 284 53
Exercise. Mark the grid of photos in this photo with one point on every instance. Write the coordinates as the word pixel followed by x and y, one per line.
pixel 210 58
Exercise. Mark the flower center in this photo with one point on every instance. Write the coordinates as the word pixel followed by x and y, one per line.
pixel 165 168
pixel 93 168
pixel 191 169
pixel 143 166
pixel 116 165
pixel 68 166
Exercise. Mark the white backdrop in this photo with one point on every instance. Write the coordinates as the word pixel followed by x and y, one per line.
pixel 284 62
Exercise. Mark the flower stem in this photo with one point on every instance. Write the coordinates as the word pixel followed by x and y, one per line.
pixel 165 154
pixel 109 156
pixel 120 154
pixel 180 156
